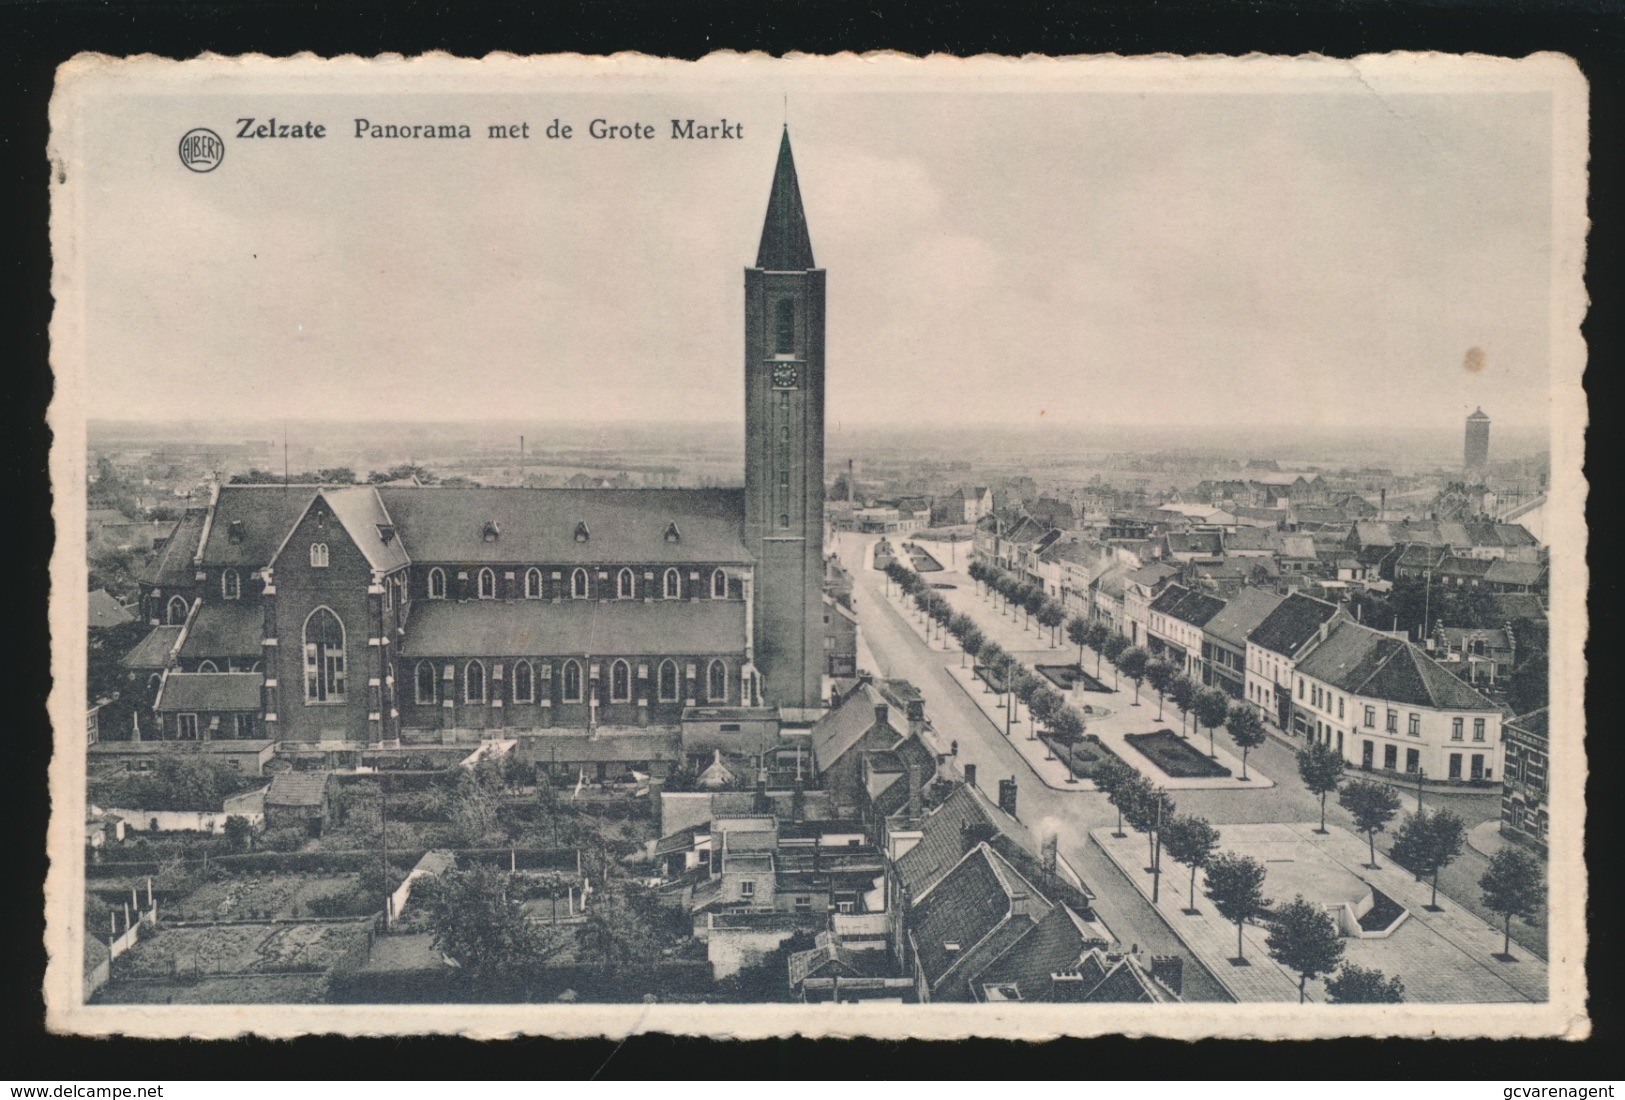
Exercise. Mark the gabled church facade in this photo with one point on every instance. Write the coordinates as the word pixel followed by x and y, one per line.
pixel 373 612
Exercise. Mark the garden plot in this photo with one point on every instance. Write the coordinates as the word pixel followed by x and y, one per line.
pixel 240 949
pixel 259 897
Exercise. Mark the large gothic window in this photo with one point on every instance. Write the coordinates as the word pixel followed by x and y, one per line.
pixel 474 683
pixel 424 678
pixel 668 682
pixel 177 610
pixel 716 679
pixel 324 657
pixel 620 682
pixel 784 327
pixel 524 683
pixel 572 681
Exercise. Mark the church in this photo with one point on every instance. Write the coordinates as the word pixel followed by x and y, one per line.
pixel 368 616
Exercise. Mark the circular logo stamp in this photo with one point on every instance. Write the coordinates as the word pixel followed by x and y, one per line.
pixel 202 150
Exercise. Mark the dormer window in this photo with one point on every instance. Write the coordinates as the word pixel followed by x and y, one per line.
pixel 582 534
pixel 236 531
pixel 673 534
pixel 492 532
pixel 386 533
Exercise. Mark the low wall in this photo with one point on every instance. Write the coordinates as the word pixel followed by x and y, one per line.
pixel 181 821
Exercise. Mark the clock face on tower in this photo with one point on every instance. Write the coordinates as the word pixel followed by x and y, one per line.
pixel 785 377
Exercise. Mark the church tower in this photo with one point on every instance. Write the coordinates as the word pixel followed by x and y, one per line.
pixel 784 449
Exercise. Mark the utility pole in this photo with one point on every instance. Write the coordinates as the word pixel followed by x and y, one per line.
pixel 1420 773
pixel 1156 856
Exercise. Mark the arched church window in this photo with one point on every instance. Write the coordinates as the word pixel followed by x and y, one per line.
pixel 625 585
pixel 423 676
pixel 474 683
pixel 533 584
pixel 231 584
pixel 324 657
pixel 177 610
pixel 620 682
pixel 668 682
pixel 719 585
pixel 524 683
pixel 572 682
pixel 578 584
pixel 488 585
pixel 716 682
pixel 318 555
pixel 674 585
pixel 437 584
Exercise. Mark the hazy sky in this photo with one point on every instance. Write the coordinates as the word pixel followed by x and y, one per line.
pixel 1102 258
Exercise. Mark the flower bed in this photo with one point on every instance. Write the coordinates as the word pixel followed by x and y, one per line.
pixel 1067 677
pixel 1175 756
pixel 1085 755
pixel 1383 914
pixel 923 562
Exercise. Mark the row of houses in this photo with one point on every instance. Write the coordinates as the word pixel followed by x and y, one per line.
pixel 913 884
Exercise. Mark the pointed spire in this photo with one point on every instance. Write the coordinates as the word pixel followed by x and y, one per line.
pixel 785 243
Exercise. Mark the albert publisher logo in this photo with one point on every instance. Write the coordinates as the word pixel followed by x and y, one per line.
pixel 202 150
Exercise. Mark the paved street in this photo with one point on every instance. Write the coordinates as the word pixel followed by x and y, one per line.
pixel 893 647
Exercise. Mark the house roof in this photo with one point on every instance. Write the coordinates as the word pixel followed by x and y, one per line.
pixel 1169 598
pixel 971 907
pixel 1055 943
pixel 943 838
pixel 296 788
pixel 171 566
pixel 104 611
pixel 210 691
pixel 1520 605
pixel 1194 542
pixel 623 526
pixel 1533 723
pixel 152 652
pixel 835 733
pixel 228 628
pixel 541 628
pixel 607 748
pixel 1362 661
pixel 1294 621
pixel 1187 606
pixel 1514 572
pixel 1110 582
pixel 250 522
pixel 1241 615
pixel 1151 575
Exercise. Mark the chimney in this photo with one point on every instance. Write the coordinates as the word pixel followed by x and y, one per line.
pixel 880 714
pixel 1170 971
pixel 1007 795
pixel 970 775
pixel 916 804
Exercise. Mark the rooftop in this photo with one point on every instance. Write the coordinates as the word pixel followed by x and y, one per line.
pixel 542 628
pixel 210 691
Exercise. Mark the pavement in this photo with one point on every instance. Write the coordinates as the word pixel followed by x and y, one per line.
pixel 1448 956
pixel 1486 839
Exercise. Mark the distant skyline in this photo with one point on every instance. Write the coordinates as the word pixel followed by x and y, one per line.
pixel 1327 259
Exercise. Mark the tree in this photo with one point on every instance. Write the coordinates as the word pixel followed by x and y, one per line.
pixel 1321 768
pixel 1513 887
pixel 1235 886
pixel 1051 615
pixel 1149 807
pixel 993 659
pixel 972 643
pixel 1372 805
pixel 478 923
pixel 1098 633
pixel 400 473
pixel 1077 632
pixel 1160 674
pixel 239 833
pixel 1191 841
pixel 1212 707
pixel 1363 985
pixel 1044 704
pixel 1121 784
pixel 1183 692
pixel 1113 647
pixel 617 936
pixel 1427 843
pixel 337 475
pixel 1303 939
pixel 1246 730
pixel 1133 663
pixel 1068 726
pixel 1032 602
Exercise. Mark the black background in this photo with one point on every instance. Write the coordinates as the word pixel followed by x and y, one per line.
pixel 36 37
